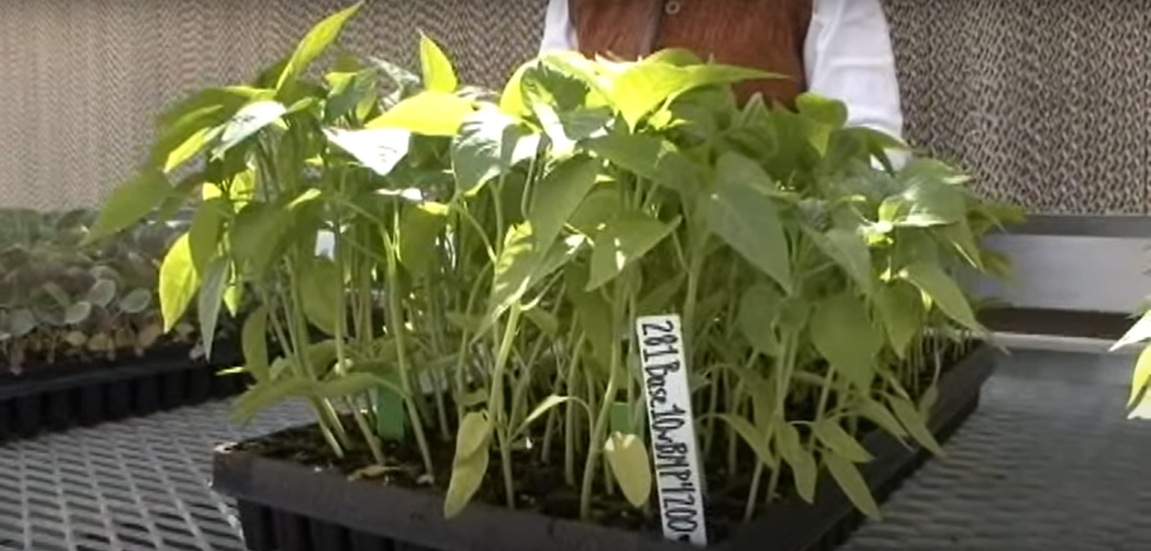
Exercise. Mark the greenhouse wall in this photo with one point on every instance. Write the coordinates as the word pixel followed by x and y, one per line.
pixel 1046 102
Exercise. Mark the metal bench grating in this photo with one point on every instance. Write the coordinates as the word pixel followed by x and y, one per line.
pixel 139 485
pixel 1048 462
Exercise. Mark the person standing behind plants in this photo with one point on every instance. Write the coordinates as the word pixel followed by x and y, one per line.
pixel 840 49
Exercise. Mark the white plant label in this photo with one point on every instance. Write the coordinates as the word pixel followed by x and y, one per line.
pixel 673 442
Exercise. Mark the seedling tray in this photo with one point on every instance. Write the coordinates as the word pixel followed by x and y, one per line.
pixel 291 507
pixel 58 397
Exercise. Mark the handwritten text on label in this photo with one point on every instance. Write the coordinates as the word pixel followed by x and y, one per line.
pixel 673 442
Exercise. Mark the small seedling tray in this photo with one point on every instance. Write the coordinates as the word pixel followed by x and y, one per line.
pixel 58 397
pixel 292 507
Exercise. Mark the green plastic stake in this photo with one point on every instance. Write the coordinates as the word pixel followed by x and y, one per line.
pixel 390 414
pixel 621 418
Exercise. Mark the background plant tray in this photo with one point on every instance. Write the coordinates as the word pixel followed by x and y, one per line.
pixel 62 396
pixel 290 507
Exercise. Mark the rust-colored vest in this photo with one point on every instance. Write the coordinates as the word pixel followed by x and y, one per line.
pixel 764 34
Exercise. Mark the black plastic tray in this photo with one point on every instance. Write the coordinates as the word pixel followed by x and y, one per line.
pixel 63 396
pixel 290 507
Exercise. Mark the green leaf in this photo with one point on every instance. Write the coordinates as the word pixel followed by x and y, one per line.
pixel 543 407
pixel 211 296
pixel 755 438
pixel 926 202
pixel 467 476
pixel 822 109
pixel 421 225
pixel 249 120
pixel 647 84
pixel 638 154
pixel 21 322
pixel 943 290
pixel 832 436
pixel 439 75
pixel 190 147
pixel 848 249
pixel 623 241
pixel 844 335
pixel 102 292
pixel 352 384
pixel 136 301
pixel 915 424
pixel 254 340
pixel 631 466
pixel 804 470
pixel 928 400
pixel 77 312
pixel 748 220
pixel 487 146
pixel 900 309
pixel 314 44
pixel 129 203
pixel 426 113
pixel 261 396
pixel 178 282
pixel 545 321
pixel 320 287
pixel 852 484
pixel 204 233
pixel 758 312
pixel 1140 376
pixel 881 416
pixel 520 266
pixel 558 195
pixel 379 150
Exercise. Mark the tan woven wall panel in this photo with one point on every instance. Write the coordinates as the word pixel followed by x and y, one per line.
pixel 1047 101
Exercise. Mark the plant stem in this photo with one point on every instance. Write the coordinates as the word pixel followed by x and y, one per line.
pixel 396 324
pixel 496 403
pixel 599 430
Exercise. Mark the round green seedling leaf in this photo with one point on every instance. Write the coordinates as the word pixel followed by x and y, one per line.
pixel 136 301
pixel 77 312
pixel 102 292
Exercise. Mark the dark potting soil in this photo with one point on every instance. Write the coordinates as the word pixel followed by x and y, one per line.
pixel 539 484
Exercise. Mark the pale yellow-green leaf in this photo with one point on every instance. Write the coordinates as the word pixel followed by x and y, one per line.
pixel 473 435
pixel 1141 375
pixel 427 113
pixel 1138 332
pixel 178 282
pixel 630 464
pixel 438 73
pixel 315 43
pixel 467 476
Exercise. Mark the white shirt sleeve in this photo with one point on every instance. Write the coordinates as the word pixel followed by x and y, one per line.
pixel 559 32
pixel 848 57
